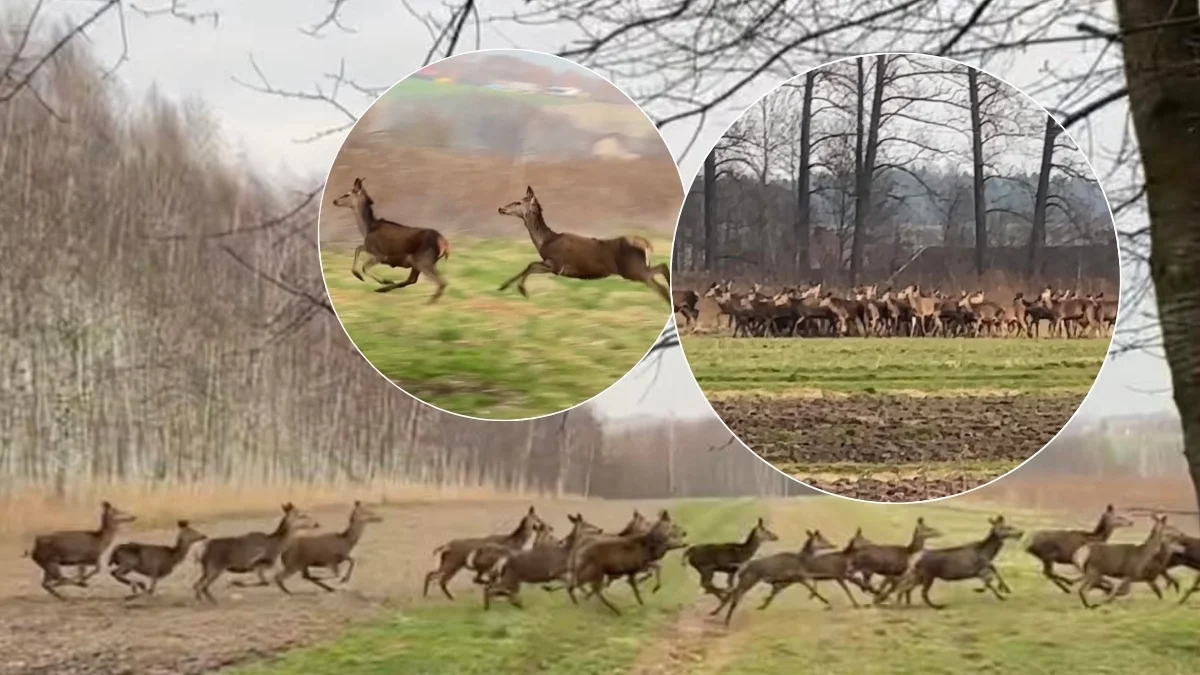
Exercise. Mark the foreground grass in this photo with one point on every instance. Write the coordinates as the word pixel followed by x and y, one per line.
pixel 498 355
pixel 549 636
pixel 1037 630
pixel 729 366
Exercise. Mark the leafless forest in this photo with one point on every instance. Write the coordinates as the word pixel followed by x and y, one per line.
pixel 898 170
pixel 161 330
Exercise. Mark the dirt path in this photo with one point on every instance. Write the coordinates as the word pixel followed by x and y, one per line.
pixel 96 633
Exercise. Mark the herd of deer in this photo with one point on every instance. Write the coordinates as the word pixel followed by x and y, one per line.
pixel 865 311
pixel 590 559
pixel 419 249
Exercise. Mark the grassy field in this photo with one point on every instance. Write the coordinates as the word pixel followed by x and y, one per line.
pixel 1037 630
pixel 498 355
pixel 729 366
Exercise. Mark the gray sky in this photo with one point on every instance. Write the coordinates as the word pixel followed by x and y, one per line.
pixel 199 61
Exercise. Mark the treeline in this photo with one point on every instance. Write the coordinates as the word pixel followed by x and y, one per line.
pixel 165 324
pixel 844 173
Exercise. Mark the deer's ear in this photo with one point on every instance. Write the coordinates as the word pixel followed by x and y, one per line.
pixel 182 523
pixel 105 505
pixel 528 192
pixel 357 503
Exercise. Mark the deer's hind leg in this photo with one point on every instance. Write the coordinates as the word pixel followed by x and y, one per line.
pixel 393 285
pixel 427 264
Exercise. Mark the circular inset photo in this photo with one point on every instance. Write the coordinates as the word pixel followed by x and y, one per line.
pixel 495 234
pixel 896 278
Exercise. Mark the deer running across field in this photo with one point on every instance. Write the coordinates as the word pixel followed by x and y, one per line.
pixel 454 555
pixel 1059 546
pixel 80 549
pixel 708 559
pixel 152 561
pixel 1129 563
pixel 325 550
pixel 251 552
pixel 393 244
pixel 578 257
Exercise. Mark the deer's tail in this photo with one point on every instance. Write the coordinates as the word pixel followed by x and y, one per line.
pixel 443 248
pixel 640 243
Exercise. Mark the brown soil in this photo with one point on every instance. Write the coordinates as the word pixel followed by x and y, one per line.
pixel 859 435
pixel 96 633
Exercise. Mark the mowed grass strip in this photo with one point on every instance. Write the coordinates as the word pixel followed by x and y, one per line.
pixel 549 636
pixel 485 353
pixel 1037 630
pixel 730 366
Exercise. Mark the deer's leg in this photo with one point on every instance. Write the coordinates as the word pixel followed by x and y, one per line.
pixel 202 584
pixel 307 575
pixel 368 262
pixel 598 591
pixel 637 594
pixel 52 577
pixel 853 600
pixel 999 579
pixel 281 576
pixel 776 589
pixel 1188 594
pixel 539 267
pixel 393 285
pixel 1154 587
pixel 1171 582
pixel 925 595
pixel 427 264
pixel 350 570
pixel 1048 572
pixel 354 264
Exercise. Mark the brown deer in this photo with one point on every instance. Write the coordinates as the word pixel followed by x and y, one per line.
pixel 889 561
pixel 578 257
pixel 685 304
pixel 484 560
pixel 959 563
pixel 452 556
pixel 152 561
pixel 1127 562
pixel 251 552
pixel 392 244
pixel 622 557
pixel 81 549
pixel 543 564
pixel 1059 546
pixel 325 550
pixel 1188 556
pixel 708 559
pixel 779 570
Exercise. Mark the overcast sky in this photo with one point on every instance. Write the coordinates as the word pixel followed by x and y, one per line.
pixel 199 61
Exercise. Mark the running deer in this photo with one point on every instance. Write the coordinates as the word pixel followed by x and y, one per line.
pixel 888 561
pixel 152 561
pixel 392 244
pixel 622 557
pixel 484 560
pixel 1127 562
pixel 1059 546
pixel 80 549
pixel 836 566
pixel 325 550
pixel 578 257
pixel 251 552
pixel 1189 557
pixel 959 563
pixel 452 556
pixel 708 559
pixel 542 564
pixel 685 304
pixel 780 571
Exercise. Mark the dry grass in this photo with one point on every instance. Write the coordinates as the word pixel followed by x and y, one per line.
pixel 32 510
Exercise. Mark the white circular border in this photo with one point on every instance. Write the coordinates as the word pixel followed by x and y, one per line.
pixel 1107 352
pixel 321 206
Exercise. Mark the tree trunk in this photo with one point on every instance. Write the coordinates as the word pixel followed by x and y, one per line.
pixel 1163 76
pixel 977 157
pixel 803 196
pixel 866 164
pixel 1037 235
pixel 710 225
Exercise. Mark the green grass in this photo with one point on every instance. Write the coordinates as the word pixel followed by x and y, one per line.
pixel 418 88
pixel 498 355
pixel 550 636
pixel 1038 630
pixel 893 365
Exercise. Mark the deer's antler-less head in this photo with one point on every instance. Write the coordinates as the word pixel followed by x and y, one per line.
pixel 760 528
pixel 111 514
pixel 362 514
pixel 297 520
pixel 529 204
pixel 188 535
pixel 1113 519
pixel 356 195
